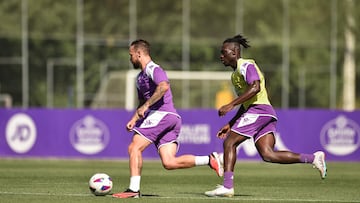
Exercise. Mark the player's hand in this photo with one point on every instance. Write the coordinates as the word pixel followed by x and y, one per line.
pixel 223 132
pixel 141 111
pixel 130 125
pixel 224 109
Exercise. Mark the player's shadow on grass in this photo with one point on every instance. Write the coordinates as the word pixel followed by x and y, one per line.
pixel 142 195
pixel 202 194
pixel 149 195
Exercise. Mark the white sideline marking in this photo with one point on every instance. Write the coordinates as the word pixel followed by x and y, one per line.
pixel 192 198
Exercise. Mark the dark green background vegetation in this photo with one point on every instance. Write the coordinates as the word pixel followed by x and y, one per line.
pixel 52 34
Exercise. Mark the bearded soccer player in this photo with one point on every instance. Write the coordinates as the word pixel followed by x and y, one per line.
pixel 155 121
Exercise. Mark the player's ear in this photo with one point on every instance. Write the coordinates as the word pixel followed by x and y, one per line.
pixel 234 53
pixel 138 54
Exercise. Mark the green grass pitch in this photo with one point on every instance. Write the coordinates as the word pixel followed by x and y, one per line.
pixel 51 180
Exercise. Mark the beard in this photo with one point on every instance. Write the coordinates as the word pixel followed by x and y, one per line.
pixel 136 64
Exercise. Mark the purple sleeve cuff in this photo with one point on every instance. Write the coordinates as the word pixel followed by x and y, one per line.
pixel 251 74
pixel 159 75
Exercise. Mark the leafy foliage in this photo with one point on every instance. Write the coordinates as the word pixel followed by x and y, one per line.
pixel 52 29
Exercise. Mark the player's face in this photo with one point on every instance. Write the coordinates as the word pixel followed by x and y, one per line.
pixel 227 55
pixel 134 59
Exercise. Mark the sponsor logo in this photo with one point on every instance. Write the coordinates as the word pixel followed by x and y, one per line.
pixel 147 123
pixel 195 134
pixel 340 136
pixel 20 133
pixel 89 135
pixel 248 119
pixel 153 119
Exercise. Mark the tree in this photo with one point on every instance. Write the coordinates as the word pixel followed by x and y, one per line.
pixel 349 93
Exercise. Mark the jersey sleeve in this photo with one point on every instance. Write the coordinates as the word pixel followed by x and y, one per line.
pixel 157 74
pixel 250 73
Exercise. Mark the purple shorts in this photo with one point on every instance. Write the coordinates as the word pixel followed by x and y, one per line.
pixel 160 128
pixel 254 125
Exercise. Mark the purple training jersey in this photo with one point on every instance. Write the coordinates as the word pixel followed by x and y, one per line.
pixel 161 124
pixel 146 84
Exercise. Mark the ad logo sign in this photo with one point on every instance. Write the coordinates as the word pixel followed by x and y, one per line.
pixel 340 136
pixel 89 135
pixel 195 134
pixel 20 133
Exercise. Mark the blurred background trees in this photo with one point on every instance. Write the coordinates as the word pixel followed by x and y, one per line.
pixel 301 41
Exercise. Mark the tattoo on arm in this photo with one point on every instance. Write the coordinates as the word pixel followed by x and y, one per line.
pixel 158 94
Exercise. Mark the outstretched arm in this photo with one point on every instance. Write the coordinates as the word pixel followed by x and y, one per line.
pixel 224 131
pixel 238 114
pixel 145 104
pixel 158 94
pixel 251 91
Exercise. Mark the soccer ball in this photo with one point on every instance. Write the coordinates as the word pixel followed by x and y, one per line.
pixel 100 184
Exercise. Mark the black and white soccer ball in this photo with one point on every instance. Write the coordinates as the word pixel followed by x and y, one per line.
pixel 100 184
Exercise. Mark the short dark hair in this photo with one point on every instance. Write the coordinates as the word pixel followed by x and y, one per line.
pixel 239 40
pixel 141 44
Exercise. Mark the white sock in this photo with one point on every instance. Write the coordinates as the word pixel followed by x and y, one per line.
pixel 201 160
pixel 135 183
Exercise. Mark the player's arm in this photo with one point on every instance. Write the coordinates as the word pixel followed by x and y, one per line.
pixel 224 131
pixel 145 104
pixel 160 91
pixel 158 94
pixel 135 117
pixel 251 91
pixel 240 111
pixel 130 125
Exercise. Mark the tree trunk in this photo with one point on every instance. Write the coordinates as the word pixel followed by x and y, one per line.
pixel 349 60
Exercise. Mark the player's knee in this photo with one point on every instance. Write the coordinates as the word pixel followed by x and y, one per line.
pixel 132 149
pixel 267 156
pixel 168 165
pixel 266 159
pixel 228 144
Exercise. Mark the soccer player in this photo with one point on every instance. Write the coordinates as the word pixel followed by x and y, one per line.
pixel 255 118
pixel 155 121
